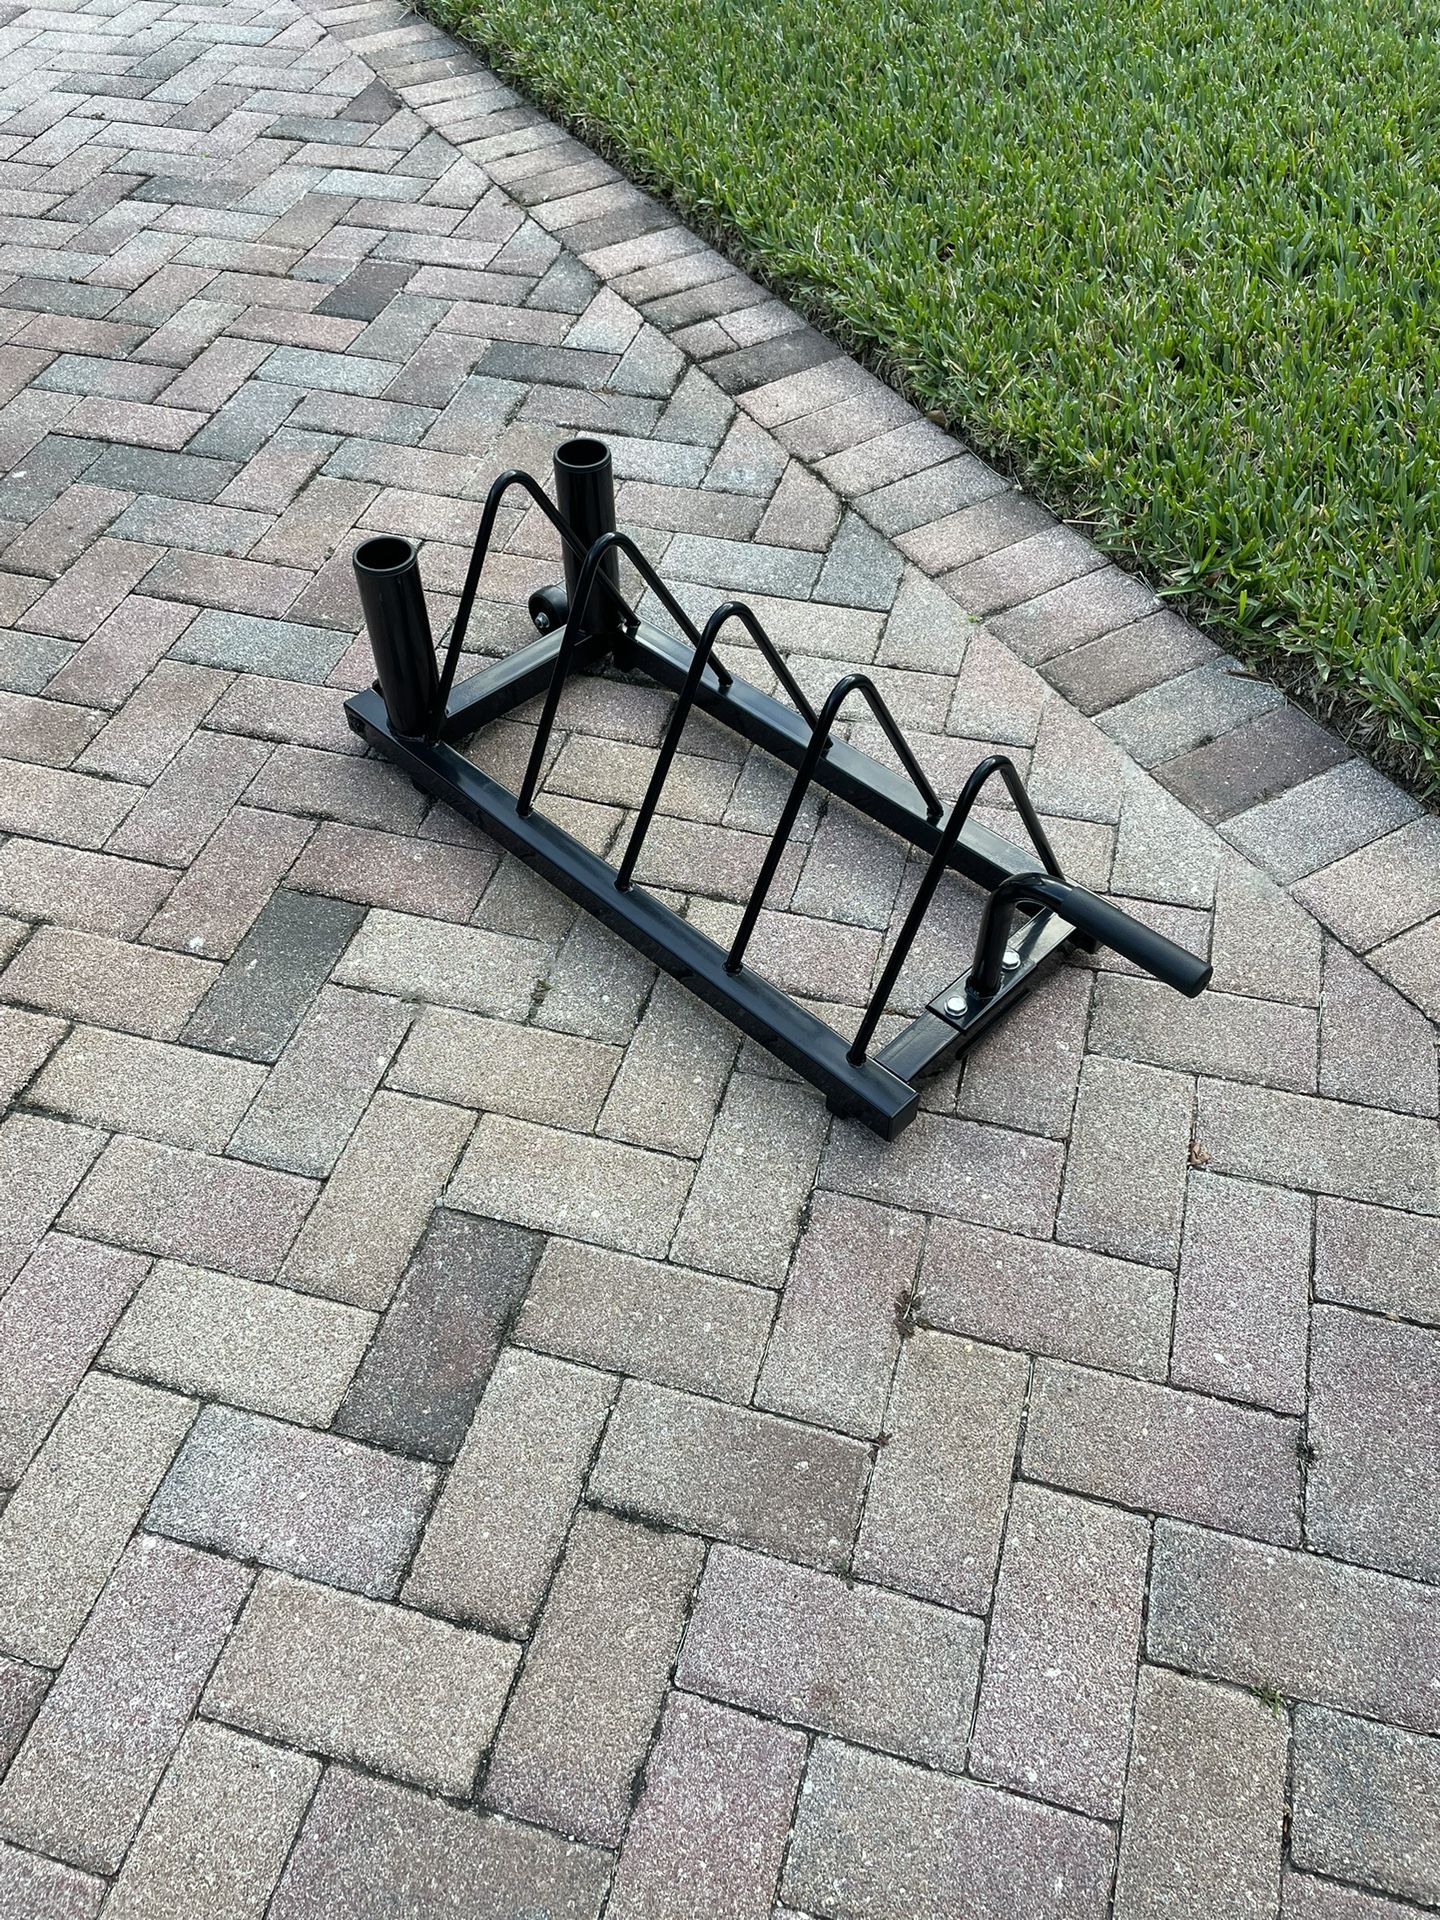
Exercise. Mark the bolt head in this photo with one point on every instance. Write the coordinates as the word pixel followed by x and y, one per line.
pixel 1012 959
pixel 956 1005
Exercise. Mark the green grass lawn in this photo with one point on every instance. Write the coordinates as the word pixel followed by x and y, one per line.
pixel 1175 262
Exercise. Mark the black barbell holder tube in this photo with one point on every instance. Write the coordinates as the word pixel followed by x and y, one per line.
pixel 585 500
pixel 1173 965
pixel 387 577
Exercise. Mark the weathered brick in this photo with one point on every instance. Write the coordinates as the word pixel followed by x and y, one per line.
pixel 89 976
pixel 1386 886
pixel 361 1680
pixel 76 888
pixel 125 1084
pixel 41 1164
pixel 936 1501
pixel 1323 1146
pixel 1164 1451
pixel 1367 1803
pixel 190 799
pixel 53 1321
pixel 833 1350
pixel 216 1835
pixel 139 742
pixel 215 903
pixel 1129 1152
pixel 370 1850
pixel 1227 1608
pixel 335 786
pixel 584 1712
pixel 26 1041
pixel 1205 1804
pixel 90 588
pixel 315 1095
pixel 46 731
pixel 34 1888
pixel 1233 1035
pixel 241 1342
pixel 972 532
pixel 834 1656
pixel 1307 1898
pixel 745 1204
pixel 1161 852
pixel 526 1072
pixel 284 710
pixel 565 1183
pixel 1321 820
pixel 190 1206
pixel 497 1530
pixel 984 1174
pixel 1374 1046
pixel 1374 1386
pixel 22 1688
pixel 374 1208
pixel 852 872
pixel 596 986
pixel 1044 1297
pixel 309 1503
pixel 1231 1337
pixel 66 1525
pixel 1370 1257
pixel 670 1081
pixel 386 870
pixel 1054 1712
pixel 1150 651
pixel 732 1473
pixel 647 1318
pixel 1026 1074
pixel 1273 751
pixel 884 1838
pixel 1412 963
pixel 113 1718
pixel 453 966
pixel 1067 616
pixel 709 1830
pixel 256 1004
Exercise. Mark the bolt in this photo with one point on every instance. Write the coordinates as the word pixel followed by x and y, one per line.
pixel 955 1006
pixel 1012 959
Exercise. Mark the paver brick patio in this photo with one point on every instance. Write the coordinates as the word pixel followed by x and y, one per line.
pixel 476 1437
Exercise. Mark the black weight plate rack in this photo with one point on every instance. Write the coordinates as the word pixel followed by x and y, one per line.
pixel 415 712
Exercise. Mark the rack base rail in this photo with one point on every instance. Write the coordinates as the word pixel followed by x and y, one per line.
pixel 415 712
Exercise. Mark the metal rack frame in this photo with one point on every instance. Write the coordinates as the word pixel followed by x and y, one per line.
pixel 414 714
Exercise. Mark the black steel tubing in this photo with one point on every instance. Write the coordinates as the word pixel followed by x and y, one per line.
pixel 577 628
pixel 1173 965
pixel 993 763
pixel 670 745
pixel 572 547
pixel 585 497
pixel 800 786
pixel 387 573
pixel 870 1093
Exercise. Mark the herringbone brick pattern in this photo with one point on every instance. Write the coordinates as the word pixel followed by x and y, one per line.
pixel 479 1440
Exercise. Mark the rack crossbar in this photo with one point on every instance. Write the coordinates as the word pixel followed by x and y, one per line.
pixel 870 1092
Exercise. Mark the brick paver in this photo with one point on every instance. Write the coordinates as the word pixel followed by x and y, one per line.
pixel 476 1437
